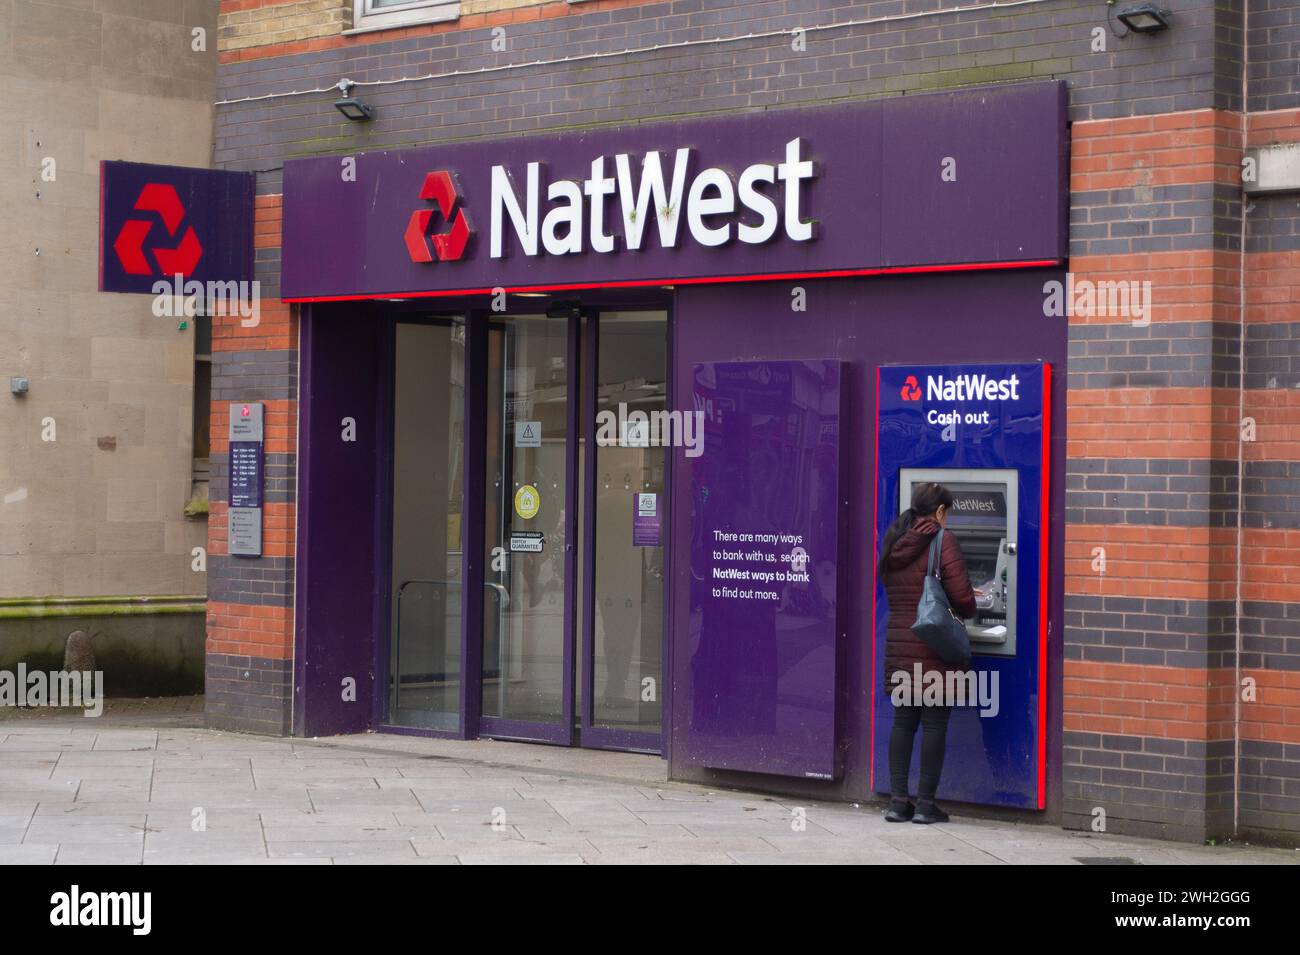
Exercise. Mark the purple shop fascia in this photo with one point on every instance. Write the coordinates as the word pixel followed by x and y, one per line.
pixel 797 252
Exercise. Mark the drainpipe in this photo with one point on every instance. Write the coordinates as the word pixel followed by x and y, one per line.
pixel 1241 414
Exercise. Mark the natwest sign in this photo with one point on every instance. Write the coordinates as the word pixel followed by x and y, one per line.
pixel 618 207
pixel 972 387
pixel 839 190
pixel 158 222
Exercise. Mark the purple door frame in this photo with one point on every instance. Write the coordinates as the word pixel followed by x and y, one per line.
pixel 316 321
pixel 581 414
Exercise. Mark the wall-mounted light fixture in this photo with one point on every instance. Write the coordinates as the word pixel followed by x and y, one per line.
pixel 1144 18
pixel 350 106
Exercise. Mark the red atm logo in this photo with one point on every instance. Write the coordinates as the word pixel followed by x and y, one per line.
pixel 449 244
pixel 911 390
pixel 129 246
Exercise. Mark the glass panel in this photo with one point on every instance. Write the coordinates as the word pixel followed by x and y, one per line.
pixel 631 520
pixel 523 626
pixel 428 450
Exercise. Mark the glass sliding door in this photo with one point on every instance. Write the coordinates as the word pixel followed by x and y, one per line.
pixel 424 665
pixel 529 546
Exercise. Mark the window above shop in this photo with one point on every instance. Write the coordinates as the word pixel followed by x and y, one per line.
pixel 370 15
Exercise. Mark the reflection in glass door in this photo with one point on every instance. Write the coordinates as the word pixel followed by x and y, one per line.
pixel 424 667
pixel 527 651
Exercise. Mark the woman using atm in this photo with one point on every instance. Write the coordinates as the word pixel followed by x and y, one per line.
pixel 901 569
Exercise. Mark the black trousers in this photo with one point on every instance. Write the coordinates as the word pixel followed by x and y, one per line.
pixel 934 736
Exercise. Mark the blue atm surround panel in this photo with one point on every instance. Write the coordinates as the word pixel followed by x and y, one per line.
pixel 982 431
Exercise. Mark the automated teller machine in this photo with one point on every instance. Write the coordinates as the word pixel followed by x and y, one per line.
pixel 982 431
pixel 984 521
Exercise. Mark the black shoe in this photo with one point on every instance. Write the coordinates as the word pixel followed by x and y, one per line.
pixel 927 813
pixel 900 810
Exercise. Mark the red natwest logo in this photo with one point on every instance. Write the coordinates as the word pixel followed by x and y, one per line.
pixel 449 244
pixel 911 390
pixel 129 244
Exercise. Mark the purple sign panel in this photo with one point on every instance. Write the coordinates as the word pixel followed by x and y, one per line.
pixel 157 222
pixel 765 531
pixel 960 178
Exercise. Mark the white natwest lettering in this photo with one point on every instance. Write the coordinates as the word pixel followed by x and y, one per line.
pixel 972 388
pixel 712 204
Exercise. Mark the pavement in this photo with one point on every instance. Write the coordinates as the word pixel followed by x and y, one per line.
pixel 146 783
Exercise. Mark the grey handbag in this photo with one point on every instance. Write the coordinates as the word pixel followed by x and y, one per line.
pixel 936 624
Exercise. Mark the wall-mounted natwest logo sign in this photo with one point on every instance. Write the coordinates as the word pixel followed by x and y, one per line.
pixel 626 203
pixel 449 243
pixel 129 246
pixel 158 222
pixel 911 390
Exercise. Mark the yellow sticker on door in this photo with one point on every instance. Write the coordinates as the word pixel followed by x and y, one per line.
pixel 527 502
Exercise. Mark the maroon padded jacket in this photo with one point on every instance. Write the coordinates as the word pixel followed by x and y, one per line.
pixel 904 579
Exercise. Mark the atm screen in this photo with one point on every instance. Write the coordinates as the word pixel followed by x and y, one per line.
pixel 983 521
pixel 979 522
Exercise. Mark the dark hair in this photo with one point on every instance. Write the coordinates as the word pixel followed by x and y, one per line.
pixel 926 499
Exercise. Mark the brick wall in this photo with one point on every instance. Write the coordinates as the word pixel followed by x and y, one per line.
pixel 1270 505
pixel 1153 719
pixel 250 600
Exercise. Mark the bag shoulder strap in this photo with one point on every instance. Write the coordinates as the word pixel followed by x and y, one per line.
pixel 936 547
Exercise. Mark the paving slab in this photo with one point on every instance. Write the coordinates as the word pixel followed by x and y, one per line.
pixel 120 790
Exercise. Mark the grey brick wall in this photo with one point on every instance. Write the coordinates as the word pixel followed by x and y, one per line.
pixel 264 581
pixel 1273 223
pixel 1136 75
pixel 1270 635
pixel 1270 790
pixel 1161 788
pixel 1156 355
pixel 1169 218
pixel 254 375
pixel 248 694
pixel 1274 50
pixel 1150 631
pixel 1163 492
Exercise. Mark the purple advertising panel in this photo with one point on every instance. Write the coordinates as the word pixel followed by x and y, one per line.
pixel 960 179
pixel 761 691
pixel 157 222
